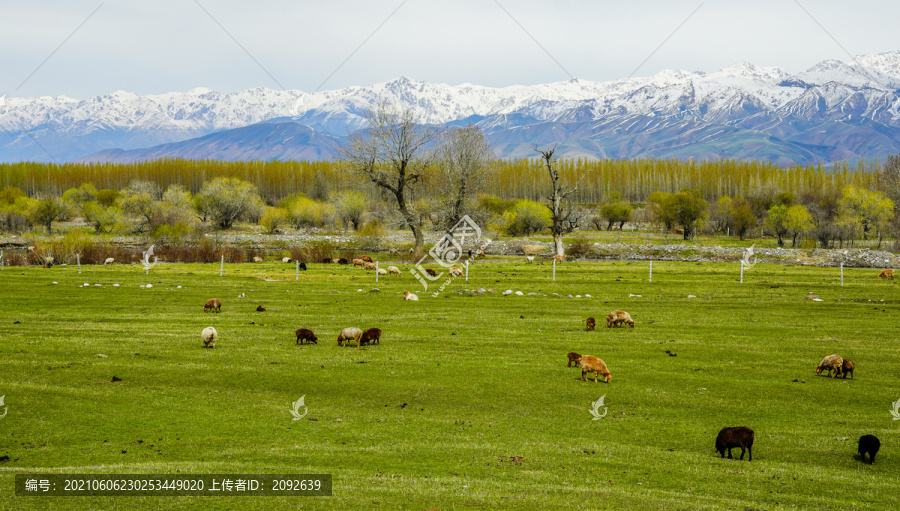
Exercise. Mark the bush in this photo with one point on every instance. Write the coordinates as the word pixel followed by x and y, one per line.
pixel 526 218
pixel 273 218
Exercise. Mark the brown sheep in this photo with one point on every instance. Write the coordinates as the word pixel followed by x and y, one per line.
pixel 260 308
pixel 257 259
pixel 342 261
pixel 830 363
pixel 740 436
pixel 307 336
pixel 456 272
pixel 573 358
pixel 367 259
pixel 591 324
pixel 589 364
pixel 358 262
pixel 886 274
pixel 847 367
pixel 369 266
pixel 349 334
pixel 559 258
pixel 431 272
pixel 617 318
pixel 213 304
pixel 372 335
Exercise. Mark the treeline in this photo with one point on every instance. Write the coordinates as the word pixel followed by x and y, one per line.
pixel 632 180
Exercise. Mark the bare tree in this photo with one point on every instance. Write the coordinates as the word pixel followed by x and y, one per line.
pixel 466 159
pixel 564 216
pixel 393 152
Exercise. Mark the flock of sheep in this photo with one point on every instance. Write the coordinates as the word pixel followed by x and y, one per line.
pixel 734 437
pixel 728 438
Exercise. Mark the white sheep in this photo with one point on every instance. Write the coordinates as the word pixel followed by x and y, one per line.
pixel 456 272
pixel 109 260
pixel 394 270
pixel 409 296
pixel 529 259
pixel 257 259
pixel 286 259
pixel 382 271
pixel 349 334
pixel 209 337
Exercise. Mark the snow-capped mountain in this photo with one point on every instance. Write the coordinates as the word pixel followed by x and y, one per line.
pixel 833 110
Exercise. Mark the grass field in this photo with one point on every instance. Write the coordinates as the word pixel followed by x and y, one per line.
pixel 459 384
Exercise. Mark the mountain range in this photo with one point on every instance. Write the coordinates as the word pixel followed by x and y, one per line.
pixel 833 111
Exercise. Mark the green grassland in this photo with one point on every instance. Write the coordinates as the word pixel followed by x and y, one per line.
pixel 460 383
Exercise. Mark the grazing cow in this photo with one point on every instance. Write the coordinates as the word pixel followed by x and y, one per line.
pixel 431 272
pixel 830 363
pixel 886 274
pixel 349 334
pixel 868 444
pixel 213 304
pixel 589 364
pixel 847 367
pixel 366 259
pixel 307 336
pixel 573 359
pixel 303 266
pixel 591 323
pixel 409 296
pixel 358 262
pixel 740 436
pixel 372 335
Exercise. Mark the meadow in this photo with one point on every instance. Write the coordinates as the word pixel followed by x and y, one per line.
pixel 467 402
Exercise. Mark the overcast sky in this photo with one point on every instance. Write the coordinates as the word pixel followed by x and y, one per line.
pixel 159 46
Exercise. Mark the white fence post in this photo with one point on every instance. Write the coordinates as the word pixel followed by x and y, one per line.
pixel 222 266
pixel 651 271
pixel 376 272
pixel 742 271
pixel 467 270
pixel 2 263
pixel 554 269
pixel 78 260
